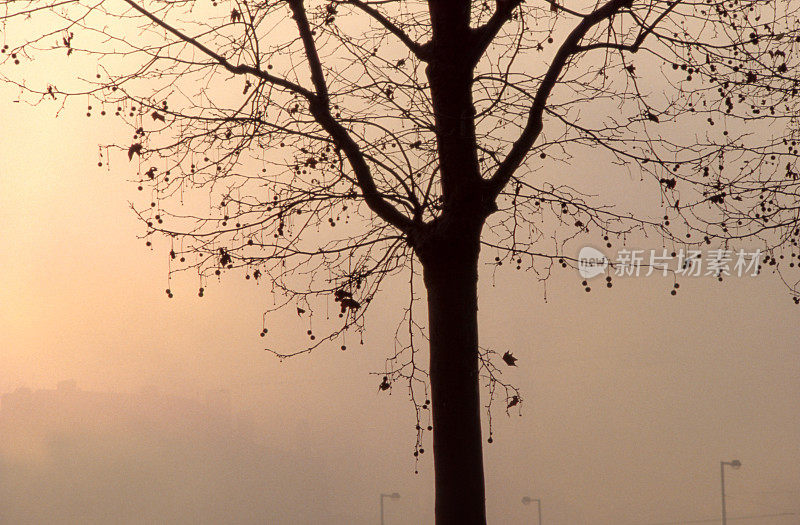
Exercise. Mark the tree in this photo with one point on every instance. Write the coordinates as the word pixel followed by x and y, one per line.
pixel 417 130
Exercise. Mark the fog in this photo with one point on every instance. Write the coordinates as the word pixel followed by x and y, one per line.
pixel 124 406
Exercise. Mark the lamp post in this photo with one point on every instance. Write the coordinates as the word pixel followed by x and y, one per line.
pixel 393 495
pixel 526 501
pixel 735 464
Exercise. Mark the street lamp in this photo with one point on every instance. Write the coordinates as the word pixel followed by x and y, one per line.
pixel 393 495
pixel 526 501
pixel 735 464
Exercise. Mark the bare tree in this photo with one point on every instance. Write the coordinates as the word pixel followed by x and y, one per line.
pixel 344 141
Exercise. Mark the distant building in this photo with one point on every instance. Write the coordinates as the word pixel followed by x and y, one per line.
pixel 74 456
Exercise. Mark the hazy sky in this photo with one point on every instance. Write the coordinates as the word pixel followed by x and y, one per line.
pixel 631 396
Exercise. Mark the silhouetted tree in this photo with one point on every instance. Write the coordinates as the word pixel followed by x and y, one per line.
pixel 345 141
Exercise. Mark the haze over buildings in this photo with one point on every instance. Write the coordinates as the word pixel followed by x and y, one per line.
pixel 73 456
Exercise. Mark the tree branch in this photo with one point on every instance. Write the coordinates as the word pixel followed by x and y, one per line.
pixel 555 6
pixel 534 124
pixel 235 69
pixel 633 48
pixel 314 63
pixel 320 109
pixel 419 50
pixel 485 34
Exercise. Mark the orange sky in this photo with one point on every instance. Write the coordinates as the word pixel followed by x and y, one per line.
pixel 632 396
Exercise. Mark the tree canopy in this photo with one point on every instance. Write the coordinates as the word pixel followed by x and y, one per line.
pixel 312 117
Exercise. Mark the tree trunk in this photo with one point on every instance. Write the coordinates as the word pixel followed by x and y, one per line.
pixel 451 276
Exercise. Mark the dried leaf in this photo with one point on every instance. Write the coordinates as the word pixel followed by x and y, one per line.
pixel 135 148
